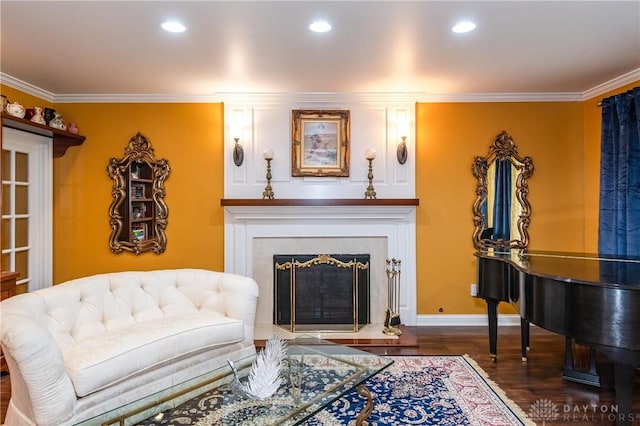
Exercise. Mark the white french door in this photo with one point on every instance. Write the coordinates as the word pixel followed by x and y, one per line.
pixel 27 210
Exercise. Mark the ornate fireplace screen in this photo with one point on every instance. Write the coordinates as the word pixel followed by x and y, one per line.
pixel 321 292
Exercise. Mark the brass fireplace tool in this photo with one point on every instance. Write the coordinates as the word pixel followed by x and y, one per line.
pixel 392 313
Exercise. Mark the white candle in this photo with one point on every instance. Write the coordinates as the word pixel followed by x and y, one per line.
pixel 268 154
pixel 370 154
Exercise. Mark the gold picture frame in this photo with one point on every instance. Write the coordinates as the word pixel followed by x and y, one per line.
pixel 320 143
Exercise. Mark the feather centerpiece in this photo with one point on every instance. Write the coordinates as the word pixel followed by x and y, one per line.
pixel 264 377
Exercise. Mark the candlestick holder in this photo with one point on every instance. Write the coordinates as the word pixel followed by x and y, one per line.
pixel 268 191
pixel 370 193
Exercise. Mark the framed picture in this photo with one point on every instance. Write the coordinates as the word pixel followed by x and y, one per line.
pixel 320 143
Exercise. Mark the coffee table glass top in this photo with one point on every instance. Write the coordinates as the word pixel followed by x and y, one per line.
pixel 316 373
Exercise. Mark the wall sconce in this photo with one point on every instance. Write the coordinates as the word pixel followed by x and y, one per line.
pixel 401 151
pixel 238 153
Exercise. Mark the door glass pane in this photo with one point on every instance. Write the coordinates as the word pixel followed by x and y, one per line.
pixel 22 167
pixel 6 234
pixel 22 199
pixel 22 232
pixel 6 262
pixel 6 164
pixel 22 264
pixel 6 199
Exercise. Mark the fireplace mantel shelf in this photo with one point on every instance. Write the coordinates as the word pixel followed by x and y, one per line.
pixel 251 202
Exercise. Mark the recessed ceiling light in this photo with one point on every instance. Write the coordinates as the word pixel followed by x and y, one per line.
pixel 320 27
pixel 463 27
pixel 173 27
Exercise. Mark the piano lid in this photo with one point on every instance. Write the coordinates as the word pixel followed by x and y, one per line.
pixel 585 268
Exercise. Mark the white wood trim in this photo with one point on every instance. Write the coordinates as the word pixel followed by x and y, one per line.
pixel 39 148
pixel 466 320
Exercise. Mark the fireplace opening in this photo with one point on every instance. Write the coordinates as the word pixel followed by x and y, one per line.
pixel 321 292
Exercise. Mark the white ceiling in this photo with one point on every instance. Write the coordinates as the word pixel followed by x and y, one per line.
pixel 93 47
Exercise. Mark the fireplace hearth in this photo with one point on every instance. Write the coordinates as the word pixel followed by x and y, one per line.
pixel 321 292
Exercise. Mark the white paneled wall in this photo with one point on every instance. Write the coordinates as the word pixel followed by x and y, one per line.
pixel 264 122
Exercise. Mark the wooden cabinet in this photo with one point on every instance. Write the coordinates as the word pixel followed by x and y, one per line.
pixel 7 289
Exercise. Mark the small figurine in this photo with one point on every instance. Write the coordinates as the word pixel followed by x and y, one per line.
pixel 57 122
pixel 72 128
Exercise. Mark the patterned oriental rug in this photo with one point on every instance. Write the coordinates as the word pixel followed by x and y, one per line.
pixel 447 390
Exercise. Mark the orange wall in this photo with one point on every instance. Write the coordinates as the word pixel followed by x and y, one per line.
pixel 561 137
pixel 448 137
pixel 189 136
pixel 26 100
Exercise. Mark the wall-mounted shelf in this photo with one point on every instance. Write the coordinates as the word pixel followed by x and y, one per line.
pixel 61 138
pixel 320 202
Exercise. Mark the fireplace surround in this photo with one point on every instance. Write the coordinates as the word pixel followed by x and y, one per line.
pixel 255 230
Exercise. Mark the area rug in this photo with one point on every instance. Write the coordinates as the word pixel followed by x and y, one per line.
pixel 447 390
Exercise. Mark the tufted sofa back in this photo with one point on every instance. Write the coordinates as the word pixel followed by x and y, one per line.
pixel 89 306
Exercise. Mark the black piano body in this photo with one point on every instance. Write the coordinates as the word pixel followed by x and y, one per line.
pixel 591 299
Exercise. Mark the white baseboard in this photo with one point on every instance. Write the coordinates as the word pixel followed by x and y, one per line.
pixel 466 320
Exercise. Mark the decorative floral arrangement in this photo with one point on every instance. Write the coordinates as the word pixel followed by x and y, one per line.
pixel 264 378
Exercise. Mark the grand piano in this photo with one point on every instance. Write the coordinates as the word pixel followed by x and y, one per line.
pixel 593 300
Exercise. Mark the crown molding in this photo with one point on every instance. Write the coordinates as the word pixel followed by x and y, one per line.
pixel 319 98
pixel 322 98
pixel 27 88
pixel 135 98
pixel 613 84
pixel 503 97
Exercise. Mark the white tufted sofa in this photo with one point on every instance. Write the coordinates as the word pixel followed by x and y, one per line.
pixel 87 346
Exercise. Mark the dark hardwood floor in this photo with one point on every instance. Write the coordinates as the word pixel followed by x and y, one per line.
pixel 523 382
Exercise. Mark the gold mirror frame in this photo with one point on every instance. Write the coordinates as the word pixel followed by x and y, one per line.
pixel 503 148
pixel 138 151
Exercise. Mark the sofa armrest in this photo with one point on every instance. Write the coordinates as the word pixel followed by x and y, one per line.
pixel 240 300
pixel 39 383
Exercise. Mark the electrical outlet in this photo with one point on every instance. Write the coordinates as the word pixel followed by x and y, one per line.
pixel 474 289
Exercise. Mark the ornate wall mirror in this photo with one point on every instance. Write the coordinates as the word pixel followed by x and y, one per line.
pixel 138 213
pixel 501 212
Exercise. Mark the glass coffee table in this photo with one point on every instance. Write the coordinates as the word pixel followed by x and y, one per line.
pixel 315 374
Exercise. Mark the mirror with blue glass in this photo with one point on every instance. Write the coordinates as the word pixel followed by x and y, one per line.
pixel 501 212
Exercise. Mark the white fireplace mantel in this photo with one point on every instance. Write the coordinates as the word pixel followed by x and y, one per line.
pixel 391 220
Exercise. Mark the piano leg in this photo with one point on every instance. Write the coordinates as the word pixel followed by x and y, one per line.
pixel 624 376
pixel 571 373
pixel 524 335
pixel 492 312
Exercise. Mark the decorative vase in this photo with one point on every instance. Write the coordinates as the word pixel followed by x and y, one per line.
pixel 38 116
pixel 72 128
pixel 49 113
pixel 57 122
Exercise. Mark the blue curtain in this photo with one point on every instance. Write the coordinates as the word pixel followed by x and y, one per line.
pixel 619 226
pixel 502 202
